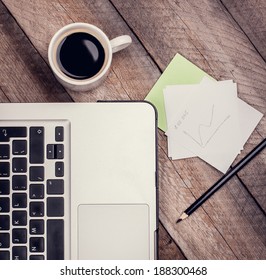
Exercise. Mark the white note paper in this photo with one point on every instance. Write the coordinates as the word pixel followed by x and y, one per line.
pixel 209 121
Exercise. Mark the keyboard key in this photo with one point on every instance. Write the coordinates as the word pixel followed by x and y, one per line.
pixel 19 236
pixel 4 222
pixel 19 165
pixel 59 151
pixel 55 186
pixel 55 239
pixel 4 240
pixel 4 151
pixel 37 145
pixel 59 169
pixel 36 209
pixel 36 173
pixel 55 206
pixel 36 227
pixel 19 253
pixel 4 187
pixel 4 204
pixel 4 169
pixel 19 182
pixel 19 200
pixel 50 151
pixel 19 218
pixel 36 244
pixel 36 191
pixel 59 134
pixel 4 255
pixel 36 257
pixel 19 147
pixel 7 132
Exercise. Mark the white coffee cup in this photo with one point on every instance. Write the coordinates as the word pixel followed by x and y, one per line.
pixel 109 46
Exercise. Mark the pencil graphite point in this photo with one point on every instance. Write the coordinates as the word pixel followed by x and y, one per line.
pixel 182 217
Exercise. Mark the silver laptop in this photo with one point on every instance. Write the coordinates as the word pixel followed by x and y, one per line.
pixel 78 181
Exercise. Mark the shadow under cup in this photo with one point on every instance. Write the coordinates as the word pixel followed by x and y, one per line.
pixel 80 57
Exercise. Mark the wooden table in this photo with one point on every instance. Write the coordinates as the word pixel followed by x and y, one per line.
pixel 226 38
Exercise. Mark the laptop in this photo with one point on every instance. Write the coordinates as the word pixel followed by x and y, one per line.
pixel 78 181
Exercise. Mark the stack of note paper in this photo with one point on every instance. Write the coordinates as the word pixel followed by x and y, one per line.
pixel 204 118
pixel 208 120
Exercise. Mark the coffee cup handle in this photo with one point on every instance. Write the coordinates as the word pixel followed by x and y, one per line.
pixel 121 42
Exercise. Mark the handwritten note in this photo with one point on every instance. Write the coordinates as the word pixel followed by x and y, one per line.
pixel 205 120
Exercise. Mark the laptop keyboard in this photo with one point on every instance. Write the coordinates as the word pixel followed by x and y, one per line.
pixel 34 186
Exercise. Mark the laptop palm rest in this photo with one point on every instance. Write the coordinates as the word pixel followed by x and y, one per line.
pixel 113 231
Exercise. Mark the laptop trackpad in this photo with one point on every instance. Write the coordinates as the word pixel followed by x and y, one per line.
pixel 113 231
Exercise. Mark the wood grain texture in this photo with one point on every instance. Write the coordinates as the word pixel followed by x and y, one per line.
pixel 205 33
pixel 167 247
pixel 24 76
pixel 3 98
pixel 250 15
pixel 253 175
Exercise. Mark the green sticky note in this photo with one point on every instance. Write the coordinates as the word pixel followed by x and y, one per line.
pixel 179 71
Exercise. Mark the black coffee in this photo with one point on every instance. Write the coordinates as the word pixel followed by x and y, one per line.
pixel 80 56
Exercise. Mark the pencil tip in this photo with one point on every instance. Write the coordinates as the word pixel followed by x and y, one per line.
pixel 182 217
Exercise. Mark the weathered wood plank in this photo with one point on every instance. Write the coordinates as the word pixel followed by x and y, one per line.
pixel 167 247
pixel 254 174
pixel 250 15
pixel 207 234
pixel 24 76
pixel 3 98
